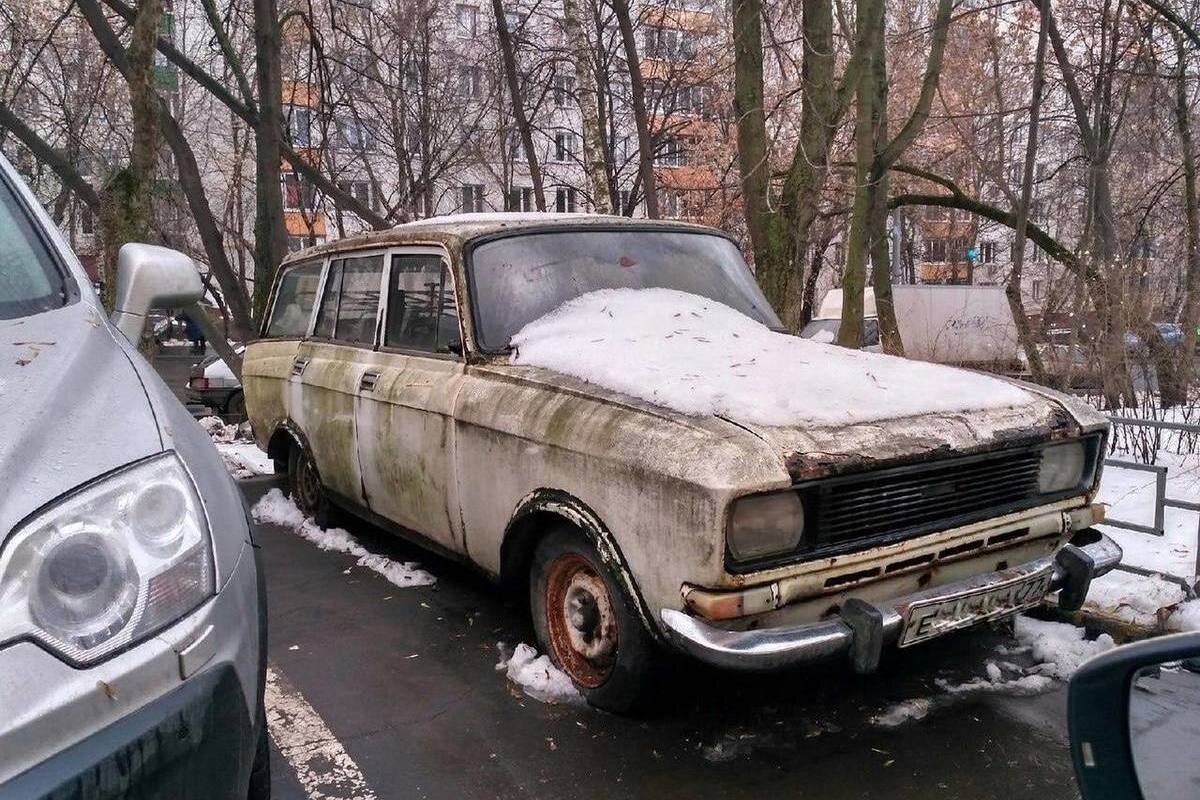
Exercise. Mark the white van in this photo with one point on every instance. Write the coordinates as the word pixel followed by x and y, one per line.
pixel 947 324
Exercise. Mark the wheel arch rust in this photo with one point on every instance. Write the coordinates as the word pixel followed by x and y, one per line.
pixel 535 516
pixel 286 434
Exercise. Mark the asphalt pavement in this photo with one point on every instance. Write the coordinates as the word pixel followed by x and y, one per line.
pixel 404 682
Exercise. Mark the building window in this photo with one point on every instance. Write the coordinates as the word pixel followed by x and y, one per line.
pixel 468 21
pixel 564 200
pixel 472 198
pixel 360 191
pixel 412 75
pixel 564 89
pixel 668 204
pixel 300 126
pixel 512 21
pixel 564 146
pixel 298 193
pixel 1036 289
pixel 935 249
pixel 517 147
pixel 987 252
pixel 519 198
pixel 87 222
pixel 350 134
pixel 672 152
pixel 470 81
pixel 669 43
pixel 297 243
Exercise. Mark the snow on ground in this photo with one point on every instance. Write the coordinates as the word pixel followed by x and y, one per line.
pixel 278 509
pixel 236 445
pixel 699 357
pixel 1055 651
pixel 536 675
pixel 1150 602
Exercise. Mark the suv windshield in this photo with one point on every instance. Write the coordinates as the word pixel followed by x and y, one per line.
pixel 518 279
pixel 29 280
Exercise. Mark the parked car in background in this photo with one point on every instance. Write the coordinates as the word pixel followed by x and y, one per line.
pixel 132 618
pixel 212 383
pixel 602 413
pixel 960 325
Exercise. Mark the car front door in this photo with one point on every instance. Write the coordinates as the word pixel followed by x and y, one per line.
pixel 405 414
pixel 330 366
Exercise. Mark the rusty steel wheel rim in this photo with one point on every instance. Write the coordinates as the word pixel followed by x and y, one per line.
pixel 580 620
pixel 308 486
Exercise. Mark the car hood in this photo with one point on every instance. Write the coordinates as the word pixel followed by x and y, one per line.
pixel 72 407
pixel 808 451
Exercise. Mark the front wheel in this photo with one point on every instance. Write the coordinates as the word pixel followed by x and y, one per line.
pixel 589 625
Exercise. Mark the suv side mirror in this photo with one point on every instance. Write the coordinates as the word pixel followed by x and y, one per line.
pixel 1134 717
pixel 149 277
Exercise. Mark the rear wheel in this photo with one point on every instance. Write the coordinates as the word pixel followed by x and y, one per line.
pixel 304 485
pixel 235 409
pixel 589 625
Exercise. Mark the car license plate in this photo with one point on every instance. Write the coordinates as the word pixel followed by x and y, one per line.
pixel 929 618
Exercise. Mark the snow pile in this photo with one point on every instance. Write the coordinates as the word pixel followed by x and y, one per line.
pixel 236 445
pixel 699 357
pixel 536 675
pixel 1060 647
pixel 277 509
pixel 905 711
pixel 1057 648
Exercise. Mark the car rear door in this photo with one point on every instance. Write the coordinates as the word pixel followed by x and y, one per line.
pixel 405 414
pixel 330 366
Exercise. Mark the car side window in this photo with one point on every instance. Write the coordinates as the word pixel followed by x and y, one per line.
pixel 294 301
pixel 327 316
pixel 358 306
pixel 421 310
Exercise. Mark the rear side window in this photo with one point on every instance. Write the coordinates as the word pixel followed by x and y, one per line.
pixel 350 305
pixel 29 281
pixel 294 301
pixel 421 310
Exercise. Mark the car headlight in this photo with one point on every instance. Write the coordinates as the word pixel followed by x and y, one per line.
pixel 109 564
pixel 1064 466
pixel 764 525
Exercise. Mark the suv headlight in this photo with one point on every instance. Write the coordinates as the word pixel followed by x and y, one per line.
pixel 1064 466
pixel 765 525
pixel 108 564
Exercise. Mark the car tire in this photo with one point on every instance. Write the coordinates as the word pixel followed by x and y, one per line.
pixel 589 625
pixel 235 409
pixel 260 773
pixel 305 487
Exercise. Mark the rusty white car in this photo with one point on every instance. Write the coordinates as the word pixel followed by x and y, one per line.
pixel 564 401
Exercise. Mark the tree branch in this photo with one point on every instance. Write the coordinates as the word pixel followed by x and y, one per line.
pixel 44 152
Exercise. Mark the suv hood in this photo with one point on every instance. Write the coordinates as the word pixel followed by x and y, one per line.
pixel 72 407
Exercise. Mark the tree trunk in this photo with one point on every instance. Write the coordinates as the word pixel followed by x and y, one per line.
pixel 508 53
pixel 1013 288
pixel 869 16
pixel 270 235
pixel 595 164
pixel 1174 389
pixel 637 89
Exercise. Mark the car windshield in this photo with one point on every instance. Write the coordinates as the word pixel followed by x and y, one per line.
pixel 517 279
pixel 29 280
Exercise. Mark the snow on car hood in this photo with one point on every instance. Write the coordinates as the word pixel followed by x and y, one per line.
pixel 71 408
pixel 699 357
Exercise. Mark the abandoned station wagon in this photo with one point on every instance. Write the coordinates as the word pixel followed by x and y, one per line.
pixel 386 382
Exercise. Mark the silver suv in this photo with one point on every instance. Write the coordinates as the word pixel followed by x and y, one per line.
pixel 132 622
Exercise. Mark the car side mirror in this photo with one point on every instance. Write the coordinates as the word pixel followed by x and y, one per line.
pixel 149 277
pixel 1134 718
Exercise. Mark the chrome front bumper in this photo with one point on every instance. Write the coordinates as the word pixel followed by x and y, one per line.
pixel 861 630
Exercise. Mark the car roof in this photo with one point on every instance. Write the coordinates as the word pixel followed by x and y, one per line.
pixel 454 230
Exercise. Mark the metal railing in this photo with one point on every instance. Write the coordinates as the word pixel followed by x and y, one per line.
pixel 1161 503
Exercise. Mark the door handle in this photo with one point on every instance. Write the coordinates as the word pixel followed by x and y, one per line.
pixel 368 381
pixel 298 365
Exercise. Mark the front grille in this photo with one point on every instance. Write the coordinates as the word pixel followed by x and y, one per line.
pixel 909 501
